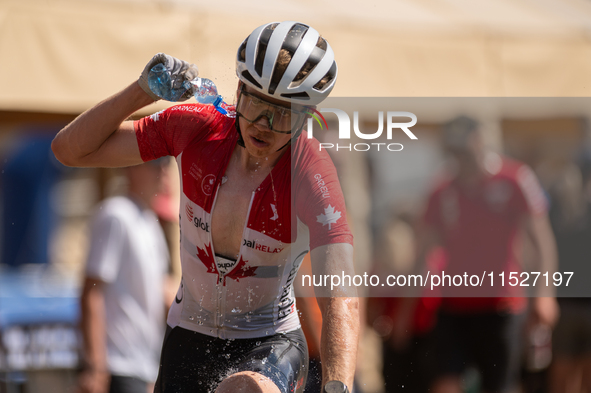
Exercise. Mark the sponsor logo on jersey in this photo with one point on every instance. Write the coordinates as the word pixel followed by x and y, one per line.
pixel 189 212
pixel 330 216
pixel 207 184
pixel 225 265
pixel 201 224
pixel 224 268
pixel 188 108
pixel 260 247
pixel 323 188
pixel 286 302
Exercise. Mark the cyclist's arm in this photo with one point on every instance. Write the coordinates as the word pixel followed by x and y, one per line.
pixel 100 137
pixel 544 306
pixel 539 231
pixel 340 314
pixel 536 225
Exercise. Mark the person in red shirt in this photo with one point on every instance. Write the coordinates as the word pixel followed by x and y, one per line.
pixel 480 215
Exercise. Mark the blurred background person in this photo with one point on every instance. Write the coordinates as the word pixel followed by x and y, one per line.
pixel 570 215
pixel 126 288
pixel 479 215
pixel 407 355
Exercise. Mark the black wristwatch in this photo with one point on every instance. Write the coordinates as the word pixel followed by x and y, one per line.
pixel 335 387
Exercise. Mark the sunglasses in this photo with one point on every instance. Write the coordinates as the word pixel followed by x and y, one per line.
pixel 281 119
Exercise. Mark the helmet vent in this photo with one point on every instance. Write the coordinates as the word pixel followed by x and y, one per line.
pixel 329 77
pixel 302 94
pixel 262 48
pixel 288 48
pixel 249 78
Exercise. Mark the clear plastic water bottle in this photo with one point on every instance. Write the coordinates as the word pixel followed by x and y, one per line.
pixel 203 89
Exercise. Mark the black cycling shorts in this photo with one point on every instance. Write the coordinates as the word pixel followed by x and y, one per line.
pixel 492 342
pixel 194 362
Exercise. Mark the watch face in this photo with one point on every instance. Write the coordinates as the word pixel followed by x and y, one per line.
pixel 335 387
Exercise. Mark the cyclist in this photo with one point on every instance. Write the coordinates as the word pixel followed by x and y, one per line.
pixel 257 195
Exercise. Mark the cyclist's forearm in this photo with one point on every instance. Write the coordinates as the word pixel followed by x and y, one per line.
pixel 78 141
pixel 340 330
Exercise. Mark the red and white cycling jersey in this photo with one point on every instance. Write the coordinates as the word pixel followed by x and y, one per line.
pixel 288 215
pixel 481 232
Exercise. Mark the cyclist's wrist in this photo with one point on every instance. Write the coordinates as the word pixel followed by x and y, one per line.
pixel 335 387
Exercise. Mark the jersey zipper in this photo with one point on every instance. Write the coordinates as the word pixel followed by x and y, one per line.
pixel 216 317
pixel 244 230
pixel 221 292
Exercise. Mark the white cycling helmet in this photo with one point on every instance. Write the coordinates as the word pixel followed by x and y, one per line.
pixel 257 59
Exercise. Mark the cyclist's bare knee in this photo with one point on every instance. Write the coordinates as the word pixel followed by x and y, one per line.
pixel 247 382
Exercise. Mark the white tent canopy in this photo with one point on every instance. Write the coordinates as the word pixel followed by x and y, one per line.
pixel 64 56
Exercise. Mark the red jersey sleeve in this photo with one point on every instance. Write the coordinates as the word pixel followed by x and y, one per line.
pixel 531 198
pixel 319 200
pixel 168 132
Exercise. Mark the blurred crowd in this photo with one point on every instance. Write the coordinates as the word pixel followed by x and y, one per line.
pixel 485 212
pixel 488 212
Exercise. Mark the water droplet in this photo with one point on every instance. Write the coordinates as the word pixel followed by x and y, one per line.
pixel 266 332
pixel 227 356
pixel 191 318
pixel 258 343
pixel 207 351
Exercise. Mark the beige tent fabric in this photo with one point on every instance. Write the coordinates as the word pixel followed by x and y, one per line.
pixel 64 55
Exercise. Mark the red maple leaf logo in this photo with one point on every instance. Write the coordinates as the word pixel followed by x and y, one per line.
pixel 241 271
pixel 205 255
